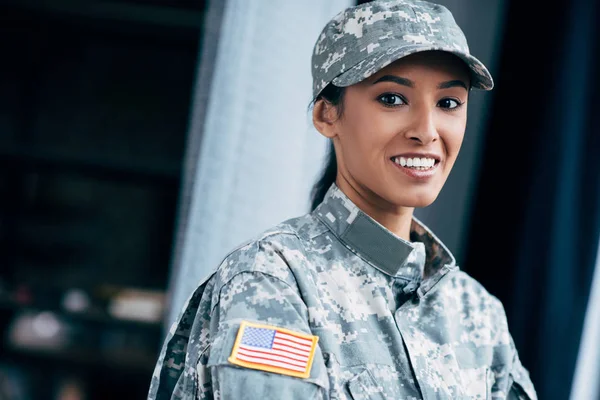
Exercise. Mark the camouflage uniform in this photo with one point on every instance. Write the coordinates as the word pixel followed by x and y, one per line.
pixel 395 319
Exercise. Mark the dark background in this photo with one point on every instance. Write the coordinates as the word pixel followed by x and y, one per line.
pixel 94 103
pixel 535 228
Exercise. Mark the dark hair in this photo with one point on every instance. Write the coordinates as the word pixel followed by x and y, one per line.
pixel 335 96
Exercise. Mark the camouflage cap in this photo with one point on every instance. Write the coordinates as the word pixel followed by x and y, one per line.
pixel 363 39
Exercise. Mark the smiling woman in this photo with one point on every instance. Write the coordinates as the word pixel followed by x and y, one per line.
pixel 400 134
pixel 358 299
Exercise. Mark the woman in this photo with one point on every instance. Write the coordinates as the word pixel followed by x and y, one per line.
pixel 358 299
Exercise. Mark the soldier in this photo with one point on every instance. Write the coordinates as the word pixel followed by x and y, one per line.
pixel 358 299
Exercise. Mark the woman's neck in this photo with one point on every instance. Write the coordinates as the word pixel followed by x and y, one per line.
pixel 396 219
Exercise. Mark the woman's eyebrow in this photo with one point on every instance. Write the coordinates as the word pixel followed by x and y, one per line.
pixel 453 83
pixel 407 82
pixel 397 79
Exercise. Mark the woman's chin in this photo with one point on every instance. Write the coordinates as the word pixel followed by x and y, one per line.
pixel 421 204
pixel 416 201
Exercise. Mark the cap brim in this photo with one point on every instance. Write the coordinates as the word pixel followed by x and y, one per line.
pixel 480 76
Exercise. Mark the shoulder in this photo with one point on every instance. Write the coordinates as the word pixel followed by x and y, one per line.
pixel 254 272
pixel 260 259
pixel 474 300
pixel 268 252
pixel 472 290
pixel 265 254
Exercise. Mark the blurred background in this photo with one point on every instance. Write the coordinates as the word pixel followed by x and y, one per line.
pixel 141 140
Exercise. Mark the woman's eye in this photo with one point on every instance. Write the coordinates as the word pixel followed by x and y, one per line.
pixel 391 100
pixel 449 103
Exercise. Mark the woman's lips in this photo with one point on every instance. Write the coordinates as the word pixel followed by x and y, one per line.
pixel 421 174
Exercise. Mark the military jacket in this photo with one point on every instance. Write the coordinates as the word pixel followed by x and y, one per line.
pixel 394 319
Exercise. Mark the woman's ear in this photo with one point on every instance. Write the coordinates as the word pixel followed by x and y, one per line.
pixel 325 117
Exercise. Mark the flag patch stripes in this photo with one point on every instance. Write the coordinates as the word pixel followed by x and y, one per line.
pixel 273 349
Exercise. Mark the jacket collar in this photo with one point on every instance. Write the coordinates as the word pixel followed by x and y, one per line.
pixel 381 248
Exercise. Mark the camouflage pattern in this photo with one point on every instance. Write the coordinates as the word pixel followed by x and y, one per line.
pixel 395 319
pixel 361 40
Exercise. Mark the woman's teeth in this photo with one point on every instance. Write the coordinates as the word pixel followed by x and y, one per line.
pixel 415 162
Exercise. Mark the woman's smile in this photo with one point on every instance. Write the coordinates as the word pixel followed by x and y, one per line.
pixel 419 166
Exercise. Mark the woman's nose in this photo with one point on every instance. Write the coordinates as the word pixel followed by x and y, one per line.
pixel 423 130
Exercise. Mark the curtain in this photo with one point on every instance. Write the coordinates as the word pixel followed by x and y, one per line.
pixel 252 153
pixel 535 226
pixel 586 382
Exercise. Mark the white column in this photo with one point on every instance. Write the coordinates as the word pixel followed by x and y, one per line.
pixel 259 154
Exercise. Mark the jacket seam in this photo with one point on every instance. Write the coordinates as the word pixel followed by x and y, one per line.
pixel 253 272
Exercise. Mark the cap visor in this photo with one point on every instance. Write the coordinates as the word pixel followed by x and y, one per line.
pixel 480 76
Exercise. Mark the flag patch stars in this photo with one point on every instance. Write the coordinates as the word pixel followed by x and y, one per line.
pixel 273 349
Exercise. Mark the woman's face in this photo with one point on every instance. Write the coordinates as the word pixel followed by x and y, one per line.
pixel 401 130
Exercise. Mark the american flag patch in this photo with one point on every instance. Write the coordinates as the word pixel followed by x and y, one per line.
pixel 273 349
